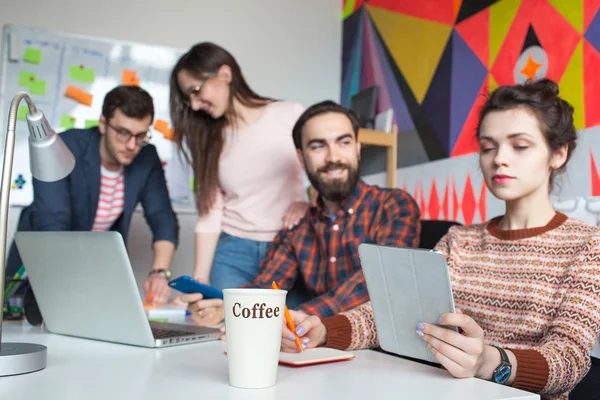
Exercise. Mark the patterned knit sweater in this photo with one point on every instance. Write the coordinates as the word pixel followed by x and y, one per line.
pixel 533 291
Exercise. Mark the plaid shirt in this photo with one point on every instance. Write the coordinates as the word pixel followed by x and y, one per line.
pixel 322 250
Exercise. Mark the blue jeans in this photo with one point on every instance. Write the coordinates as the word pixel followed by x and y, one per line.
pixel 236 261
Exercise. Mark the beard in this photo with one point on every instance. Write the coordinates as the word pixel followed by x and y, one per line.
pixel 335 189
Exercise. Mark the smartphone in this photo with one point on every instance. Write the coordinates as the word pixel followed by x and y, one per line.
pixel 187 284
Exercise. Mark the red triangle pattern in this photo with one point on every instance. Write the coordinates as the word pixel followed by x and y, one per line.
pixel 590 8
pixel 475 31
pixel 422 204
pixel 455 203
pixel 594 175
pixel 445 201
pixel 591 88
pixel 434 202
pixel 557 36
pixel 483 203
pixel 467 142
pixel 433 10
pixel 469 204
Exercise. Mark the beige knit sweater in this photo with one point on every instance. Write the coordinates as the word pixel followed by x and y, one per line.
pixel 533 291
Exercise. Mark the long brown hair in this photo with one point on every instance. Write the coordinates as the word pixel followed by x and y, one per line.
pixel 198 131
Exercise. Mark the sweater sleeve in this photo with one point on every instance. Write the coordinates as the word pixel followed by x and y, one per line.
pixel 211 222
pixel 563 357
pixel 352 330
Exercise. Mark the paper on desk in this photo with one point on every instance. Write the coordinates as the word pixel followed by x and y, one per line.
pixel 318 355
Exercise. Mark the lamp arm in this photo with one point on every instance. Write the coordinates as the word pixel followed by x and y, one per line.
pixel 9 149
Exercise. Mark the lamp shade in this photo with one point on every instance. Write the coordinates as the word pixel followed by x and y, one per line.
pixel 49 158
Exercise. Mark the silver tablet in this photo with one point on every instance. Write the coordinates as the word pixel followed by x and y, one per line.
pixel 406 286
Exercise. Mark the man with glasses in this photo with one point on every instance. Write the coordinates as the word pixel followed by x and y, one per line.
pixel 115 170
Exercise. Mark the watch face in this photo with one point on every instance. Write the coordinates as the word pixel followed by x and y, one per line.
pixel 502 374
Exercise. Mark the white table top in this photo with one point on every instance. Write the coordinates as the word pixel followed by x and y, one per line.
pixel 87 369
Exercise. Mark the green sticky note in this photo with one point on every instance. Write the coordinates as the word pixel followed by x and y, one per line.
pixel 26 78
pixel 67 121
pixel 21 114
pixel 33 56
pixel 192 184
pixel 158 319
pixel 90 123
pixel 37 87
pixel 85 75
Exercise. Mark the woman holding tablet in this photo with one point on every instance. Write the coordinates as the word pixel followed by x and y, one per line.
pixel 527 284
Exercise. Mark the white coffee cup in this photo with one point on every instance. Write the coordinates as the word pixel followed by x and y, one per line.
pixel 254 320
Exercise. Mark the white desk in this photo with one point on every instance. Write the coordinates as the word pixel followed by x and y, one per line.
pixel 84 369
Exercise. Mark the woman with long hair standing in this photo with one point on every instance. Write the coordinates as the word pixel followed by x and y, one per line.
pixel 248 179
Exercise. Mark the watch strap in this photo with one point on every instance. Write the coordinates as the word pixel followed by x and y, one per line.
pixel 503 355
pixel 164 272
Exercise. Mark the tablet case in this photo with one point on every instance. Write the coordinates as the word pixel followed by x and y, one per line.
pixel 406 286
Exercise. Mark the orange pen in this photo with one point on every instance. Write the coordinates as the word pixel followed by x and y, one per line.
pixel 289 322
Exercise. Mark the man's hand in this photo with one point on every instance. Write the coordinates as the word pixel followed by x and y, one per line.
pixel 204 312
pixel 157 289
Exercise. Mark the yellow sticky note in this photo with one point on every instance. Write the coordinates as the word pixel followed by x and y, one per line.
pixel 33 56
pixel 26 78
pixel 67 121
pixel 90 123
pixel 22 113
pixel 37 87
pixel 82 74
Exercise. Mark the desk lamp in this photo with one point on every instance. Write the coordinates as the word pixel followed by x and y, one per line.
pixel 50 160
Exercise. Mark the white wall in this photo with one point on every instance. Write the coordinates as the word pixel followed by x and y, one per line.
pixel 287 49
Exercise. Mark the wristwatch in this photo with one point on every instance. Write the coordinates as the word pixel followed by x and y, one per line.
pixel 164 272
pixel 502 371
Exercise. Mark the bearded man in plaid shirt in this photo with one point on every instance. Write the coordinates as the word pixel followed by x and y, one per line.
pixel 320 254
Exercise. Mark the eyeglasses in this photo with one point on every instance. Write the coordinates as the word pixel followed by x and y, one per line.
pixel 124 136
pixel 196 90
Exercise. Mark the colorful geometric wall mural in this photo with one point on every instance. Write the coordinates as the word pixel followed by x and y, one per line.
pixel 435 60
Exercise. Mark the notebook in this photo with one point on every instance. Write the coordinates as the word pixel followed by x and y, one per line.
pixel 319 355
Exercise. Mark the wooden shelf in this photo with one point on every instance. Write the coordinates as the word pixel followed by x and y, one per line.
pixel 389 140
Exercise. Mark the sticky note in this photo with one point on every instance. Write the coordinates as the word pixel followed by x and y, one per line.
pixel 67 121
pixel 90 123
pixel 158 319
pixel 192 184
pixel 22 113
pixel 163 127
pixel 37 87
pixel 26 77
pixel 33 56
pixel 82 74
pixel 130 78
pixel 79 95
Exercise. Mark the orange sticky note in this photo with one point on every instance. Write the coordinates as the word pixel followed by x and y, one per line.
pixel 130 78
pixel 163 127
pixel 79 95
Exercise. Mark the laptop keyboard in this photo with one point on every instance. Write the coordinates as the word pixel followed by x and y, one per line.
pixel 168 333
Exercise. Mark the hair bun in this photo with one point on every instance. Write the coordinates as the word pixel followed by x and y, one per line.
pixel 548 87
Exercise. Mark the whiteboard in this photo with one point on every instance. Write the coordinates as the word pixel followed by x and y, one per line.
pixel 68 76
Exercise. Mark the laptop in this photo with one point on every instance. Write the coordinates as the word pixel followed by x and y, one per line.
pixel 84 286
pixel 406 286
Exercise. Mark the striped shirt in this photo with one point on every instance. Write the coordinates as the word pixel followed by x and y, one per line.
pixel 111 200
pixel 322 250
pixel 533 291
